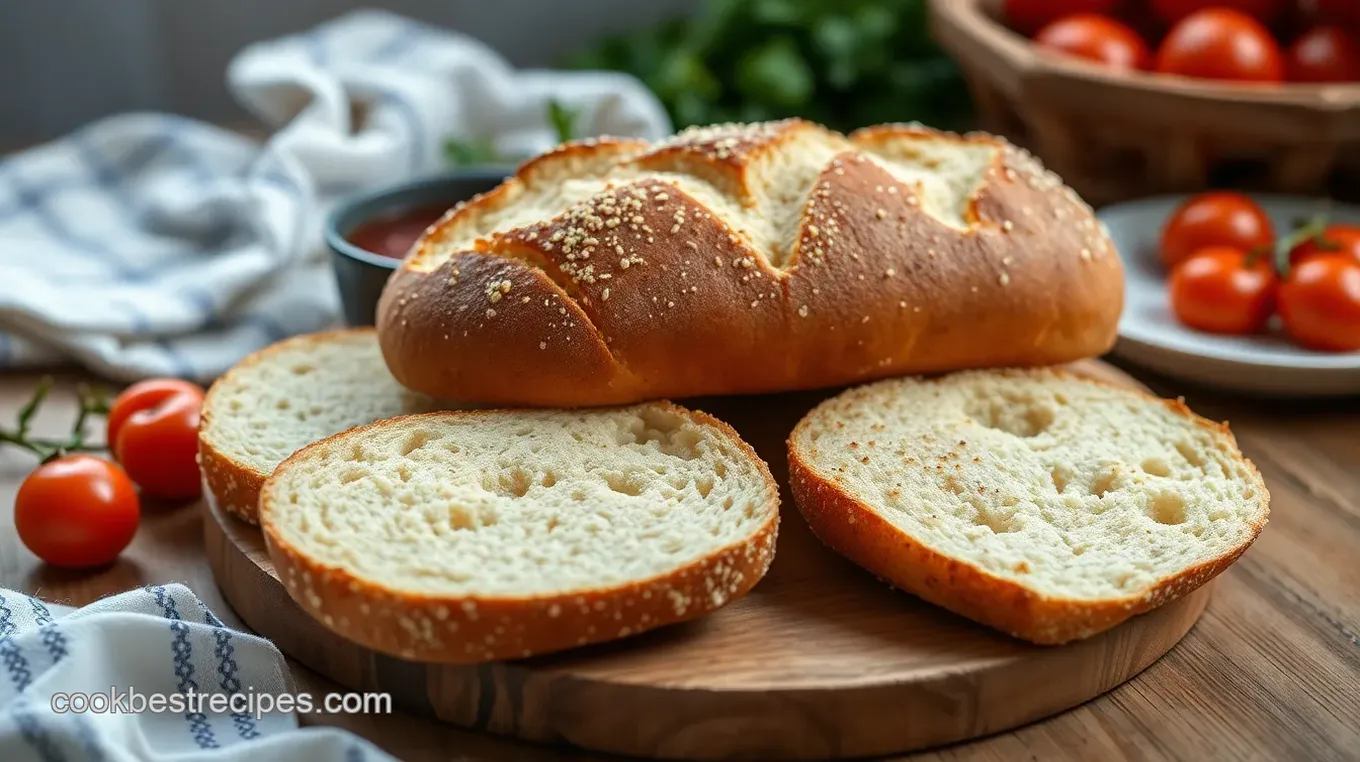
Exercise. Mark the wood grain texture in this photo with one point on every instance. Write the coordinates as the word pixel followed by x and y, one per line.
pixel 1270 672
pixel 819 661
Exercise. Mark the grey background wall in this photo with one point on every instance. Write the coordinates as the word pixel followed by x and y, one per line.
pixel 66 62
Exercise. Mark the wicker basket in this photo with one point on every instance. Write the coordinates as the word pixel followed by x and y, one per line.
pixel 1117 136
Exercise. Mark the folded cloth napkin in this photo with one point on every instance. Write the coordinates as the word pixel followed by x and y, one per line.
pixel 150 245
pixel 70 681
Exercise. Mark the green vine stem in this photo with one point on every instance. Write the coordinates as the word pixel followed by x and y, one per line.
pixel 93 402
pixel 1308 229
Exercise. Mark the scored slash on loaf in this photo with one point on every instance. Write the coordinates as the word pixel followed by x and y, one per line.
pixel 1046 505
pixel 750 258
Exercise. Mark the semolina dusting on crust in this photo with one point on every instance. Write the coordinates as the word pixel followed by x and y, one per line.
pixel 477 536
pixel 1040 503
pixel 750 258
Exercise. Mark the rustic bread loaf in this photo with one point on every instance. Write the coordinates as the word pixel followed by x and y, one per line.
pixel 750 258
pixel 1045 505
pixel 286 396
pixel 478 536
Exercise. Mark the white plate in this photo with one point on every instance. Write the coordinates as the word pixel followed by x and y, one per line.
pixel 1150 335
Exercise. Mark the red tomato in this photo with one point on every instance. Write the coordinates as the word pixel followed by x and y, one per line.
pixel 1219 43
pixel 159 446
pixel 1216 218
pixel 1217 290
pixel 142 395
pixel 1324 54
pixel 1027 16
pixel 1335 239
pixel 1320 303
pixel 77 511
pixel 1097 38
pixel 1172 11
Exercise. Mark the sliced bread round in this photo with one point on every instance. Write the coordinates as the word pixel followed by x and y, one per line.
pixel 483 535
pixel 1041 503
pixel 286 396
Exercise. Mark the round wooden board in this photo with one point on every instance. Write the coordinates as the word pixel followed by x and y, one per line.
pixel 819 661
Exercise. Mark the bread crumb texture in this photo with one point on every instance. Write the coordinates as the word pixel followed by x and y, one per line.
pixel 1070 488
pixel 521 504
pixel 299 391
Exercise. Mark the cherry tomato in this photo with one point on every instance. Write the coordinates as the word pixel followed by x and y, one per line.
pixel 158 447
pixel 1324 54
pixel 77 511
pixel 1320 303
pixel 1172 11
pixel 142 395
pixel 1216 218
pixel 1220 43
pixel 1028 16
pixel 1219 291
pixel 1335 239
pixel 1097 38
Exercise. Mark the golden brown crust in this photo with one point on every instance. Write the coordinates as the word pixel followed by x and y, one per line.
pixel 234 485
pixel 472 629
pixel 870 284
pixel 855 530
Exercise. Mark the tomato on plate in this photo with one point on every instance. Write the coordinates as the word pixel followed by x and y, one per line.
pixel 1097 38
pixel 1028 16
pixel 1172 11
pixel 1319 303
pixel 77 511
pixel 1337 238
pixel 1220 289
pixel 1324 54
pixel 142 395
pixel 1222 44
pixel 158 446
pixel 1216 218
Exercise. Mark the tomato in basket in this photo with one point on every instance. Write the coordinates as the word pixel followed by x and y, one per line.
pixel 1172 11
pixel 1028 16
pixel 1222 44
pixel 1096 38
pixel 1324 54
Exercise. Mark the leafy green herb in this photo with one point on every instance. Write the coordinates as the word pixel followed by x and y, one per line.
pixel 844 63
pixel 481 152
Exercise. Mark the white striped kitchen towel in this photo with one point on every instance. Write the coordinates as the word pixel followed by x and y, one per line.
pixel 70 680
pixel 151 245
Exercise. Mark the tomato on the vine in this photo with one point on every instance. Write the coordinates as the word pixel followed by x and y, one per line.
pixel 1337 238
pixel 1221 289
pixel 158 446
pixel 142 395
pixel 1319 303
pixel 1324 54
pixel 1097 38
pixel 77 511
pixel 1220 43
pixel 1028 16
pixel 1216 218
pixel 1172 11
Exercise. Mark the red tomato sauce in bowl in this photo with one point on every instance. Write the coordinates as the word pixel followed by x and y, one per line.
pixel 394 235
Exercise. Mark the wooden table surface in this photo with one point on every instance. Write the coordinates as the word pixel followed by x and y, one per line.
pixel 1271 672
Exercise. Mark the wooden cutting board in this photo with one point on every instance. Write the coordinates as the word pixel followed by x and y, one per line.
pixel 820 661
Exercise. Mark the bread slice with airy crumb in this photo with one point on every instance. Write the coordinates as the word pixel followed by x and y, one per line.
pixel 475 536
pixel 286 396
pixel 1041 503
